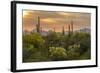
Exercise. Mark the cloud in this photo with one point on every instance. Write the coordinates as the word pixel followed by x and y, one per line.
pixel 48 20
pixel 53 19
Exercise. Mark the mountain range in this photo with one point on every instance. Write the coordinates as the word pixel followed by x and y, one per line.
pixel 43 32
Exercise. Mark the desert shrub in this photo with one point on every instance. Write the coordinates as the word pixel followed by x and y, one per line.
pixel 53 39
pixel 28 50
pixel 73 51
pixel 57 53
pixel 55 46
pixel 34 39
pixel 86 55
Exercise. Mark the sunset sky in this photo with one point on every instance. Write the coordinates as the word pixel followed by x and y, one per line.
pixel 52 19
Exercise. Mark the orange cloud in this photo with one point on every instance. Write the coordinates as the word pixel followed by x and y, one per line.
pixel 48 20
pixel 53 19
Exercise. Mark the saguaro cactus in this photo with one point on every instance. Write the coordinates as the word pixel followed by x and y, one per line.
pixel 69 30
pixel 72 26
pixel 63 30
pixel 38 25
pixel 54 29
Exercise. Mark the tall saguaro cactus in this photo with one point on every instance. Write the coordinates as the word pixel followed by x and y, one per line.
pixel 69 30
pixel 38 25
pixel 54 29
pixel 63 30
pixel 72 26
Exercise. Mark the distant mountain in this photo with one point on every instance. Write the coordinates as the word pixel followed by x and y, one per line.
pixel 87 30
pixel 26 32
pixel 44 32
pixel 33 31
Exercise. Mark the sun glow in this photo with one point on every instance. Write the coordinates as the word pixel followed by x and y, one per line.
pixel 25 13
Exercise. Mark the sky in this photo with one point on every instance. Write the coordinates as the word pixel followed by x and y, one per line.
pixel 52 19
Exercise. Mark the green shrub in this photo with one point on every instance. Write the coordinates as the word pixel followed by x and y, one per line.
pixel 57 53
pixel 73 51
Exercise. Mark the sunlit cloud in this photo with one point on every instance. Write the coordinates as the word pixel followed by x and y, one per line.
pixel 25 13
pixel 48 20
pixel 63 13
pixel 53 19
